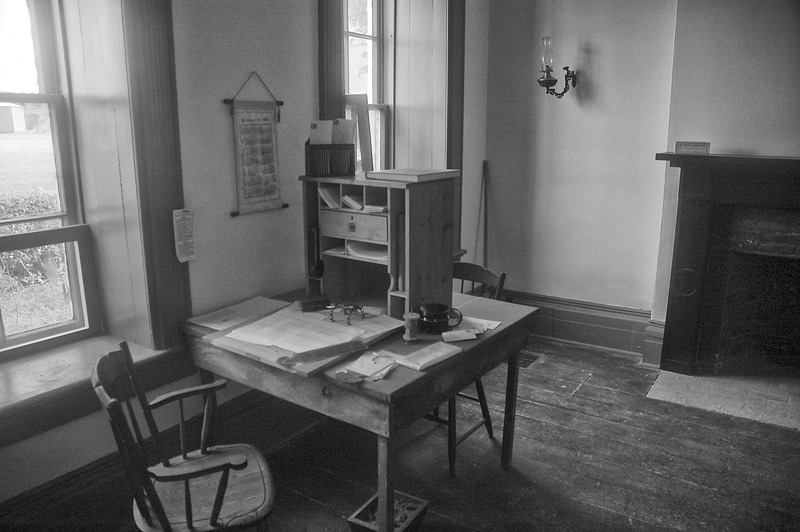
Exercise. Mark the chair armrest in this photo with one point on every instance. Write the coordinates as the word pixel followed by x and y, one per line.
pixel 197 468
pixel 167 398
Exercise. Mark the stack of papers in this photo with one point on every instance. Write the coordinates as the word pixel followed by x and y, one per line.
pixel 469 329
pixel 329 197
pixel 353 201
pixel 339 131
pixel 425 357
pixel 290 331
pixel 370 366
pixel 365 250
pixel 295 331
pixel 412 175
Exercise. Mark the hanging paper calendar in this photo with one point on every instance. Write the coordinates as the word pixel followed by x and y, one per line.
pixel 255 134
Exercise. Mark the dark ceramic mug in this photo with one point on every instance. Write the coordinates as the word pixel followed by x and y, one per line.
pixel 437 318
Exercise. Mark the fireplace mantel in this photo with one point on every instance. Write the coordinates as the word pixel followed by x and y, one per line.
pixel 681 160
pixel 706 183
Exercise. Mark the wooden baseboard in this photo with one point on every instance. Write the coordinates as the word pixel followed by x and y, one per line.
pixel 653 342
pixel 618 328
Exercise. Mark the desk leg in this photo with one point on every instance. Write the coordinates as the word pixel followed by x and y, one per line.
pixel 510 412
pixel 385 516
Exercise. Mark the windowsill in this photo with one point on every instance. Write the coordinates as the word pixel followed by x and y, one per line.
pixel 45 390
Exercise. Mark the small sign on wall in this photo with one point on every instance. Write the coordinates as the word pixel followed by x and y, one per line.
pixel 692 148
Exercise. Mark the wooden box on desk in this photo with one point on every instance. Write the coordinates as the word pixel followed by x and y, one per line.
pixel 324 160
pixel 411 223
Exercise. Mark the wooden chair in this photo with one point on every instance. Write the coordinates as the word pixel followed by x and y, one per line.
pixel 220 487
pixel 474 279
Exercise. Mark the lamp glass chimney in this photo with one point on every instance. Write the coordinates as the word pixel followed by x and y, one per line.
pixel 547 54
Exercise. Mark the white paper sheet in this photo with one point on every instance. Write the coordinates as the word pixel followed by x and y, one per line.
pixel 343 131
pixel 425 357
pixel 371 364
pixel 321 132
pixel 296 332
pixel 233 315
pixel 183 229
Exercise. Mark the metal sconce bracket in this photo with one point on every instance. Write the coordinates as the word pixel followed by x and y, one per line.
pixel 548 81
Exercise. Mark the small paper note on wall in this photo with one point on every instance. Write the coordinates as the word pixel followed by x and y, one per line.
pixel 183 227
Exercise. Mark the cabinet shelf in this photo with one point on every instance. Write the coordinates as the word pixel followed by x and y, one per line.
pixel 342 254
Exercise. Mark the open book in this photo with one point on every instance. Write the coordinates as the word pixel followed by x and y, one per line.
pixel 304 343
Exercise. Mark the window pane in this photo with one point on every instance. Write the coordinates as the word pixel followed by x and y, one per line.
pixel 17 59
pixel 34 289
pixel 359 17
pixel 360 61
pixel 28 180
pixel 376 128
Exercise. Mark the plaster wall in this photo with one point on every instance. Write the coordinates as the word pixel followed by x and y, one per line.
pixel 734 84
pixel 216 49
pixel 575 192
pixel 476 61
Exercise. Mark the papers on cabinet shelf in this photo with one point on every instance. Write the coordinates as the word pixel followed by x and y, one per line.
pixel 412 175
pixel 329 197
pixel 353 201
pixel 343 131
pixel 361 250
pixel 338 131
pixel 365 250
pixel 321 132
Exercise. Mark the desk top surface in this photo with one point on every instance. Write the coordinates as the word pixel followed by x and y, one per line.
pixel 490 348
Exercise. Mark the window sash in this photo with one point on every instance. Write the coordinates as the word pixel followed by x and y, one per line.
pixel 84 295
pixel 66 173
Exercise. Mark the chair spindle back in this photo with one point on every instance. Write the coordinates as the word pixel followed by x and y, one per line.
pixel 477 280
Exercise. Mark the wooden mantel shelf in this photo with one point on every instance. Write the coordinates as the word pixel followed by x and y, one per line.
pixel 752 161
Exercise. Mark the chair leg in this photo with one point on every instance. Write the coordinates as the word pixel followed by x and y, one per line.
pixel 484 407
pixel 451 435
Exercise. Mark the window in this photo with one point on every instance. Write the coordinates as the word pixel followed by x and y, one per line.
pixel 364 74
pixel 46 282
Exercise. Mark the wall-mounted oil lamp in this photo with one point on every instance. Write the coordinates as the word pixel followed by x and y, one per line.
pixel 547 80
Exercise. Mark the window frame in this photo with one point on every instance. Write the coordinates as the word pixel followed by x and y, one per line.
pixel 380 138
pixel 73 233
pixel 82 274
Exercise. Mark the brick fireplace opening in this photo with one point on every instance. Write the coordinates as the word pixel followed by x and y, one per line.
pixel 734 299
pixel 753 290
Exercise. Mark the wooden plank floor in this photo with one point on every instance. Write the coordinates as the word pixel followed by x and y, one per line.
pixel 591 453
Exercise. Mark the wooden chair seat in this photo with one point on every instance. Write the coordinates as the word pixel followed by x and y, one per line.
pixel 249 496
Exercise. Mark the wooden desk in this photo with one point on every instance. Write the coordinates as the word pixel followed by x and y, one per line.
pixel 385 407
